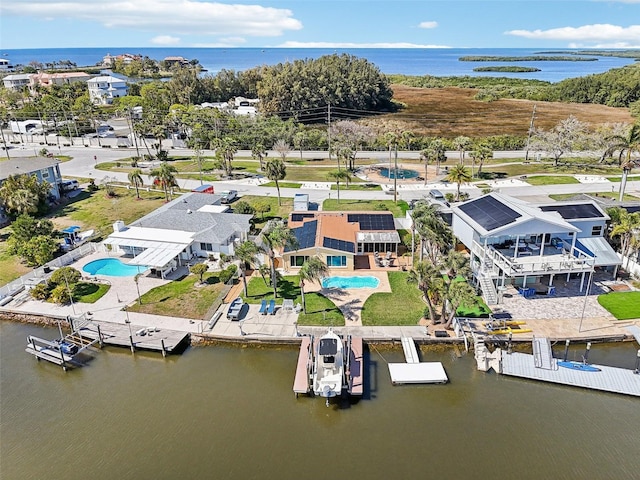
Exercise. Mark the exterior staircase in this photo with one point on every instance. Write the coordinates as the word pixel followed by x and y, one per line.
pixel 488 290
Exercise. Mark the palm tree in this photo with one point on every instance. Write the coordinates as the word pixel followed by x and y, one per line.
pixel 425 156
pixel 312 270
pixel 392 139
pixel 457 270
pixel 460 293
pixel 259 152
pixel 624 144
pixel 339 176
pixel 481 153
pixel 435 235
pixel 275 170
pixel 247 253
pixel 226 149
pixel 164 175
pixel 429 281
pixel 434 152
pixel 276 236
pixel 459 174
pixel 627 166
pixel 626 226
pixel 135 179
pixel 462 143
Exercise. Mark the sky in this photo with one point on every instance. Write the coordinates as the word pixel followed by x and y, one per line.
pixel 320 23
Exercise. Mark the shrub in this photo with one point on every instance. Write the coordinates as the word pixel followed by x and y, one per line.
pixel 40 291
pixel 60 295
pixel 228 273
pixel 65 275
pixel 243 207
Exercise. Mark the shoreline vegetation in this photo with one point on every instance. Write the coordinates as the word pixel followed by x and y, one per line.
pixel 528 58
pixel 507 68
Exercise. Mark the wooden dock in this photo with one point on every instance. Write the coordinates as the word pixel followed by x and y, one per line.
pixel 415 371
pixel 136 337
pixel 609 379
pixel 355 375
pixel 301 383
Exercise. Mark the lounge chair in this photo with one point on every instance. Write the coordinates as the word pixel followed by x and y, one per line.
pixel 272 307
pixel 263 307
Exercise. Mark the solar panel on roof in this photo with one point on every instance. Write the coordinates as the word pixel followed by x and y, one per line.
pixel 341 245
pixel 578 210
pixel 490 213
pixel 299 217
pixel 305 234
pixel 368 221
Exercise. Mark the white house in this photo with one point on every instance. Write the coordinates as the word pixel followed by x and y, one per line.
pixel 193 225
pixel 17 81
pixel 5 65
pixel 515 242
pixel 104 89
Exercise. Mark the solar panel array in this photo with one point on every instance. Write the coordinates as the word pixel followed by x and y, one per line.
pixel 578 210
pixel 490 213
pixel 306 235
pixel 370 221
pixel 299 217
pixel 341 245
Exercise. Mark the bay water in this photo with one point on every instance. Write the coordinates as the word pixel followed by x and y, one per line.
pixel 229 412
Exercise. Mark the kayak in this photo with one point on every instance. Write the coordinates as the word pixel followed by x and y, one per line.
pixel 584 367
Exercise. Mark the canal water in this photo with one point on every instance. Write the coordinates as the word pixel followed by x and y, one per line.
pixel 229 413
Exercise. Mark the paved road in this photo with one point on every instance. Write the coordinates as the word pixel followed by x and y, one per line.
pixel 84 161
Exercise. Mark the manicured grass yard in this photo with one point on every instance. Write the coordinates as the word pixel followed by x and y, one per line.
pixel 398 209
pixel 551 180
pixel 403 306
pixel 622 305
pixel 630 178
pixel 320 310
pixel 181 298
pixel 89 292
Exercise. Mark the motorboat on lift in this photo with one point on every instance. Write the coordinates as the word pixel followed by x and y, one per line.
pixel 328 367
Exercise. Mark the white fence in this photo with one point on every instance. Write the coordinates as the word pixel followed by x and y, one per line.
pixel 18 285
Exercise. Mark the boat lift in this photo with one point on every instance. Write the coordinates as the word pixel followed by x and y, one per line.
pixel 352 371
pixel 64 351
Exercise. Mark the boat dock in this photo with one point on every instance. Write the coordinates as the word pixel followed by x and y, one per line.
pixel 353 371
pixel 635 331
pixel 58 351
pixel 415 371
pixel 543 367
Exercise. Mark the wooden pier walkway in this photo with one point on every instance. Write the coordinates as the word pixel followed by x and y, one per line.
pixel 609 379
pixel 301 383
pixel 415 371
pixel 635 331
pixel 355 375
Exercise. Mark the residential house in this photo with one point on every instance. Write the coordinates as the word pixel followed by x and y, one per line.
pixel 110 60
pixel 44 169
pixel 103 89
pixel 339 239
pixel 193 225
pixel 515 242
pixel 5 65
pixel 175 60
pixel 17 81
pixel 49 79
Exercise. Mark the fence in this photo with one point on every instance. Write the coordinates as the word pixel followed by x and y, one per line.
pixel 44 271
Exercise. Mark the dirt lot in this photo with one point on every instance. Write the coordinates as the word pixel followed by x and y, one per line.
pixel 449 112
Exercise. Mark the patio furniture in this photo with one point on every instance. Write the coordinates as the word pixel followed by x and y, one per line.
pixel 388 256
pixel 272 307
pixel 287 305
pixel 263 307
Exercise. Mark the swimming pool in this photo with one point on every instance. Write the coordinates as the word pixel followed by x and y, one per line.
pixel 112 267
pixel 350 282
pixel 403 173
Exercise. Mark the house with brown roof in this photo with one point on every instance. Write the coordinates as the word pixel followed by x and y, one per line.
pixel 342 240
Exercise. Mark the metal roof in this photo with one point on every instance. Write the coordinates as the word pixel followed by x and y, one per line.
pixel 599 248
pixel 158 257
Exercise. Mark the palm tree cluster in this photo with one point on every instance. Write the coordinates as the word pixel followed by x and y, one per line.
pixel 441 273
pixel 625 227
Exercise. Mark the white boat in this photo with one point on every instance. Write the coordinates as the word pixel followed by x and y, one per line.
pixel 328 367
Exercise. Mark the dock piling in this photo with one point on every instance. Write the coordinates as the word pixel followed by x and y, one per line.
pixel 566 349
pixel 100 338
pixel 637 370
pixel 164 350
pixel 586 352
pixel 133 348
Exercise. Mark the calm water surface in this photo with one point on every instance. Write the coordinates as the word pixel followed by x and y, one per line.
pixel 226 412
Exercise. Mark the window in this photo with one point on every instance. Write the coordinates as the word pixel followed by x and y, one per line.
pixel 207 247
pixel 336 260
pixel 45 173
pixel 596 231
pixel 297 260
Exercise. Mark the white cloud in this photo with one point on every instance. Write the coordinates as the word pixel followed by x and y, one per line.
pixel 623 45
pixel 165 40
pixel 291 44
pixel 185 17
pixel 586 33
pixel 428 25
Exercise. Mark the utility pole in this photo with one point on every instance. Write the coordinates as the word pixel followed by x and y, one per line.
pixel 533 117
pixel 329 132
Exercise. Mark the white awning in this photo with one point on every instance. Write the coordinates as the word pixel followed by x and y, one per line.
pixel 157 257
pixel 378 237
pixel 599 248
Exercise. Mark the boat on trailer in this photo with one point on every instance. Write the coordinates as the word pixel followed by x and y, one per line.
pixel 328 367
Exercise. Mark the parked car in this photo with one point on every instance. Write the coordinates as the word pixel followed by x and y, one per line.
pixel 69 185
pixel 436 195
pixel 228 196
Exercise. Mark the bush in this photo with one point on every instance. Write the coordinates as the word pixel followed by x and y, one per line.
pixel 380 207
pixel 228 273
pixel 243 207
pixel 60 295
pixel 65 275
pixel 40 291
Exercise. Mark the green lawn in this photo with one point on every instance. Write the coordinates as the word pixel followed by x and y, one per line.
pixel 551 180
pixel 282 184
pixel 481 310
pixel 613 195
pixel 320 310
pixel 630 178
pixel 403 306
pixel 277 211
pixel 398 209
pixel 622 305
pixel 88 292
pixel 181 298
pixel 358 186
